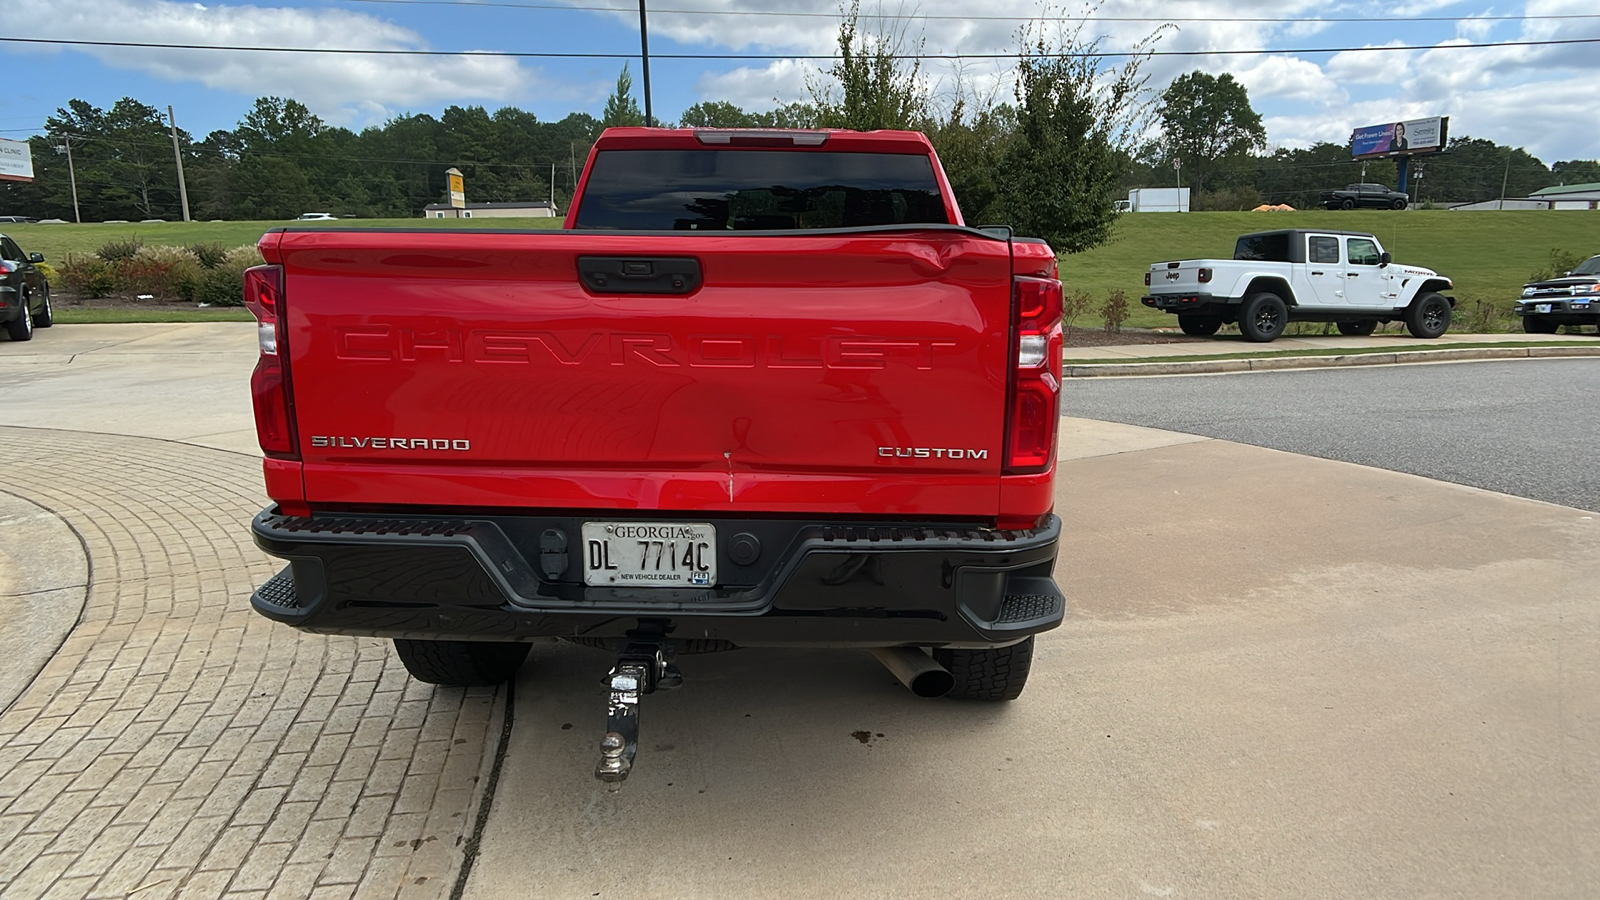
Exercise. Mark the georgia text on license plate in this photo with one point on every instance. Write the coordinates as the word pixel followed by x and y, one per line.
pixel 650 554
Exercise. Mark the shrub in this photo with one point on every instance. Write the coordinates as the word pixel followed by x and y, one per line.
pixel 1561 262
pixel 113 251
pixel 1481 317
pixel 1073 305
pixel 51 276
pixel 88 276
pixel 1115 310
pixel 224 284
pixel 210 255
pixel 166 273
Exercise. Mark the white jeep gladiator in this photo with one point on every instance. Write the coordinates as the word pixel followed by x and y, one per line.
pixel 1300 275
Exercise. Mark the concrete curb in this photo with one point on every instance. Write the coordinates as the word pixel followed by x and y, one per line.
pixel 44 583
pixel 1213 366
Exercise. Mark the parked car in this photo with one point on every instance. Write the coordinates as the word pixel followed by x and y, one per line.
pixel 314 217
pixel 17 220
pixel 766 389
pixel 1370 196
pixel 24 292
pixel 1572 299
pixel 1300 275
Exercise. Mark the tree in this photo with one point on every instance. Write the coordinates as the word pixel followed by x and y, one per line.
pixel 972 141
pixel 1209 125
pixel 621 108
pixel 876 86
pixel 1076 123
pixel 716 114
pixel 1576 171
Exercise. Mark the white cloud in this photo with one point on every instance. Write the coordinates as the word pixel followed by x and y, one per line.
pixel 1369 67
pixel 343 89
pixel 1292 79
pixel 781 81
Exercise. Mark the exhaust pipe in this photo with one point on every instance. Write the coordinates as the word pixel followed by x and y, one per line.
pixel 916 670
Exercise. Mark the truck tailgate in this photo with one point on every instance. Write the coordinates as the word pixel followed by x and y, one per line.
pixel 1182 277
pixel 861 371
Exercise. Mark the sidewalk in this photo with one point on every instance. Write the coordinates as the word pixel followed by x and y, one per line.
pixel 1234 354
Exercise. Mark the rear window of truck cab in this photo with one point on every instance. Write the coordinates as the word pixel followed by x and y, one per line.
pixel 1272 246
pixel 758 190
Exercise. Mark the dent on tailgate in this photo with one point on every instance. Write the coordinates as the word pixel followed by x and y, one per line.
pixel 804 374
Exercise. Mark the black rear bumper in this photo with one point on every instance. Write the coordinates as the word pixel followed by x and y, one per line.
pixel 811 583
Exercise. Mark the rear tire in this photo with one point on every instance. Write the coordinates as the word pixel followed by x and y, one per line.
pixel 1428 316
pixel 1536 325
pixel 1199 325
pixel 1263 317
pixel 995 675
pixel 461 663
pixel 1358 328
pixel 21 328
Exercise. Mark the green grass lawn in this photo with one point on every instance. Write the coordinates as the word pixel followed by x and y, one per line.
pixel 1489 254
pixel 56 241
pixel 124 314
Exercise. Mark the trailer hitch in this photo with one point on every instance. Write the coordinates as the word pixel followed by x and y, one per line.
pixel 645 666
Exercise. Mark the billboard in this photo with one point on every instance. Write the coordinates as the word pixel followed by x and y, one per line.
pixel 16 161
pixel 458 188
pixel 1395 138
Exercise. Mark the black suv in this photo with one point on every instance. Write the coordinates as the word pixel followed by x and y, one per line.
pixel 1572 299
pixel 24 292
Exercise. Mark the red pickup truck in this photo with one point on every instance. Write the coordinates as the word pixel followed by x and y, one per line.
pixel 764 389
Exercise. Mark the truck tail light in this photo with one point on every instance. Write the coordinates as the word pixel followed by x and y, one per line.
pixel 1033 414
pixel 1147 279
pixel 269 384
pixel 1205 276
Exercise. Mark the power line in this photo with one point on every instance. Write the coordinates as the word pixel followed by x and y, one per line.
pixel 976 17
pixel 529 54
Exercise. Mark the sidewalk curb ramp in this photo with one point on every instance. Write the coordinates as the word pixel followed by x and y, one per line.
pixel 1267 364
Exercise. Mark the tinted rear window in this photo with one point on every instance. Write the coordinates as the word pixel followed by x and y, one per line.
pixel 756 190
pixel 1263 247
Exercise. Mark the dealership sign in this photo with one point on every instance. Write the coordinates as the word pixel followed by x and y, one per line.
pixel 1395 138
pixel 16 161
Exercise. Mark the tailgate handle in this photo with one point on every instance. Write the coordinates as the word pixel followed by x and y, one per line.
pixel 639 274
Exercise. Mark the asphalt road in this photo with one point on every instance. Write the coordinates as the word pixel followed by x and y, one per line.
pixel 1530 428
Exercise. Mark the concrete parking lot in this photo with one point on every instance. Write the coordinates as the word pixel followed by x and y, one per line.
pixel 1281 677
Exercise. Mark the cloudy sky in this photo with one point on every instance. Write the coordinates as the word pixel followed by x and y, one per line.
pixel 1541 97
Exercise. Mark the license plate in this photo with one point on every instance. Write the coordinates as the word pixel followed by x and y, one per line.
pixel 1541 307
pixel 650 554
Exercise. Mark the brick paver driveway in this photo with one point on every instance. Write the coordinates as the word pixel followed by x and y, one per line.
pixel 180 745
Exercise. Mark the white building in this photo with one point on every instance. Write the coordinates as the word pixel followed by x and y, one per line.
pixel 1562 196
pixel 531 209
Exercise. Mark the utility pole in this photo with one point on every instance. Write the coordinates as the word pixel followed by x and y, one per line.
pixel 644 50
pixel 552 189
pixel 177 155
pixel 1505 179
pixel 72 173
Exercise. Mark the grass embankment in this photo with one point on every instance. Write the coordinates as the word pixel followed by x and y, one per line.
pixel 56 241
pixel 1489 254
